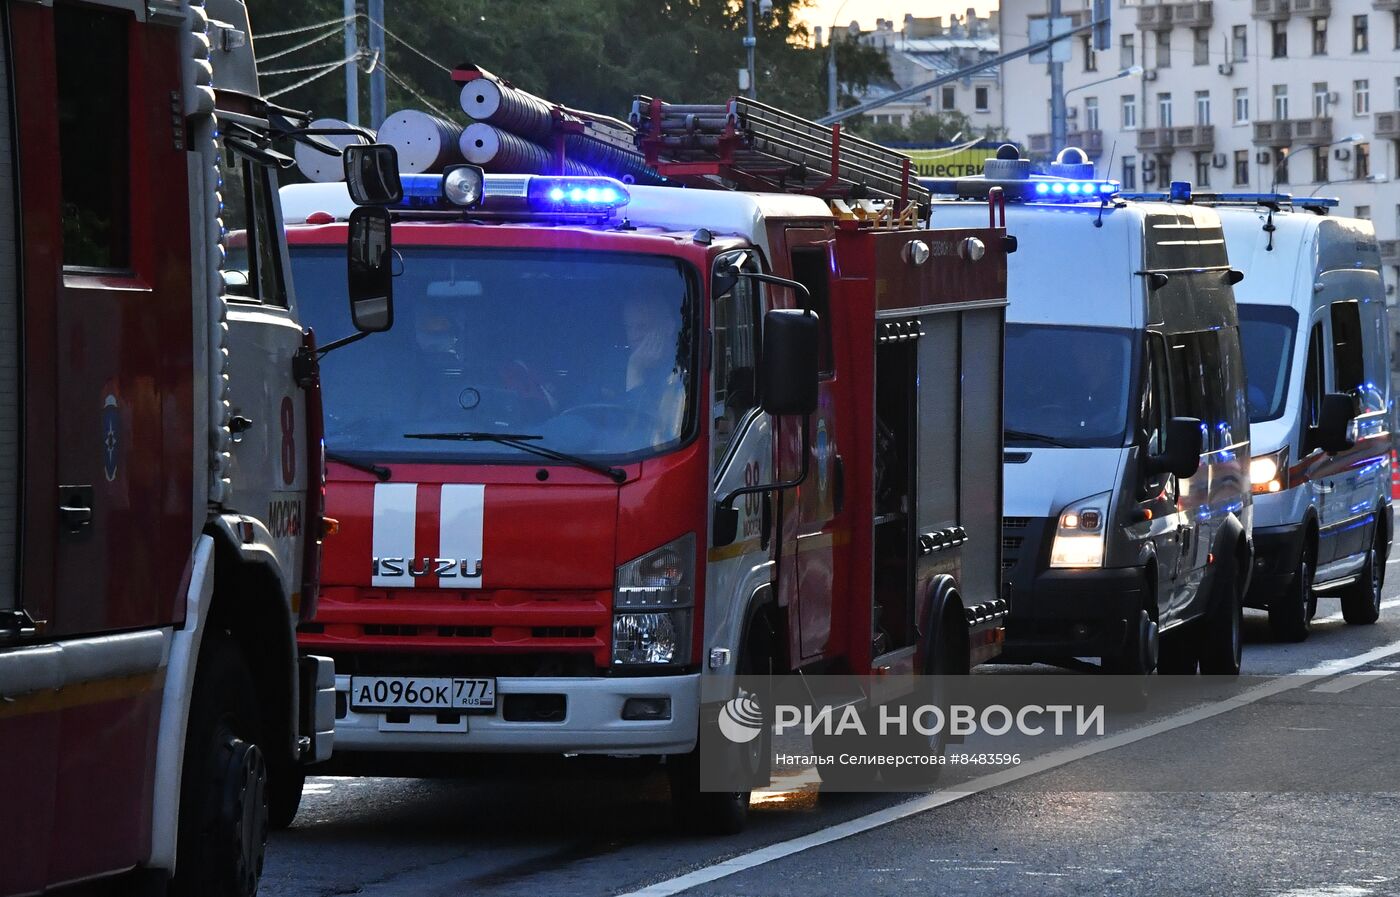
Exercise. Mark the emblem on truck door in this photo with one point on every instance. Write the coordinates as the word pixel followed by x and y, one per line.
pixel 442 568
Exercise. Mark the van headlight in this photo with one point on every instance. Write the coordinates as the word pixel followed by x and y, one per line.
pixel 1079 533
pixel 653 604
pixel 1269 473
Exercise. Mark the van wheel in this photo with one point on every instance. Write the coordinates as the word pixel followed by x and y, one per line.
pixel 1222 643
pixel 1139 656
pixel 1361 601
pixel 1291 613
pixel 284 789
pixel 223 792
pixel 1179 652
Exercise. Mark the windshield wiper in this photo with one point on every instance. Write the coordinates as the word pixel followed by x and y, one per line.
pixel 379 471
pixel 1024 436
pixel 524 442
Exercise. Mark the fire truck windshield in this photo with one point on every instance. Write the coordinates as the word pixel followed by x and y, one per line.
pixel 1067 386
pixel 592 352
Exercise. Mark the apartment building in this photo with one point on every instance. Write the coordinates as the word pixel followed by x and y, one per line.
pixel 1302 96
pixel 922 49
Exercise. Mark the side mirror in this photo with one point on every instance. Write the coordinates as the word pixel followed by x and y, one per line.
pixel 788 372
pixel 372 174
pixel 1182 457
pixel 370 255
pixel 726 525
pixel 1332 432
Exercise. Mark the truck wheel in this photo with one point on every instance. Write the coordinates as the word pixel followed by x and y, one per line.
pixel 1361 601
pixel 1290 614
pixel 223 792
pixel 284 789
pixel 1222 644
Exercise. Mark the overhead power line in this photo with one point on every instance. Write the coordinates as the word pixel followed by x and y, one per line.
pixel 325 70
pixel 265 35
pixel 334 32
pixel 405 85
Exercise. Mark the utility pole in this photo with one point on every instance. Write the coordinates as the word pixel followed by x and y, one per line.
pixel 377 96
pixel 750 42
pixel 1057 89
pixel 831 86
pixel 352 70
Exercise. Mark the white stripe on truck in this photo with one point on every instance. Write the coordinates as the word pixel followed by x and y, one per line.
pixel 395 507
pixel 459 536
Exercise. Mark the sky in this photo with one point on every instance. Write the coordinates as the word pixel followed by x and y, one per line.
pixel 867 11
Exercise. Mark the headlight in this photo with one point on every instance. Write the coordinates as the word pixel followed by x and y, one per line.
pixel 1269 473
pixel 1079 533
pixel 653 597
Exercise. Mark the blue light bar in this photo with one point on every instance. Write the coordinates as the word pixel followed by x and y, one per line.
pixel 422 191
pixel 1037 188
pixel 577 195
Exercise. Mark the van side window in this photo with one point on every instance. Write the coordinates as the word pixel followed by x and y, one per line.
pixel 1234 400
pixel 1187 377
pixel 253 260
pixel 734 379
pixel 1152 415
pixel 93 136
pixel 1348 370
pixel 809 268
pixel 1313 384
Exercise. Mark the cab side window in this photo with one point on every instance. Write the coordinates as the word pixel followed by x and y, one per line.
pixel 253 262
pixel 1313 373
pixel 809 268
pixel 1153 412
pixel 734 320
pixel 1348 369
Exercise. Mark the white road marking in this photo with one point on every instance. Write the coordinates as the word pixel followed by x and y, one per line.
pixel 1328 891
pixel 1351 680
pixel 935 799
pixel 1337 617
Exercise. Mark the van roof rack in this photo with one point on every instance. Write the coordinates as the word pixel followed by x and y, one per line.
pixel 1275 201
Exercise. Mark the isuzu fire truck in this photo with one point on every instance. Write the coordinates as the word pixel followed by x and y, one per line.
pixel 160 475
pixel 593 474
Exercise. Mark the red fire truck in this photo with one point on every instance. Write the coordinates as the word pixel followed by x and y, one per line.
pixel 628 439
pixel 161 471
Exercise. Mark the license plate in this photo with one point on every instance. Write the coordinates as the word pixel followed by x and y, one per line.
pixel 412 693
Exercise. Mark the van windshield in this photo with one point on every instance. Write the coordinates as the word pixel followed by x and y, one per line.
pixel 1266 335
pixel 1068 386
pixel 578 352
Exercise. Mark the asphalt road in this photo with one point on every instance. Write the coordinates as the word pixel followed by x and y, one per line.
pixel 1290 787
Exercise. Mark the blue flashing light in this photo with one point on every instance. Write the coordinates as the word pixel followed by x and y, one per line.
pixel 1181 191
pixel 1042 188
pixel 422 191
pixel 577 195
pixel 1057 189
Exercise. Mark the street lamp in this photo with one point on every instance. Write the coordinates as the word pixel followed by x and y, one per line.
pixel 1129 72
pixel 1283 159
pixel 765 7
pixel 1368 179
pixel 831 88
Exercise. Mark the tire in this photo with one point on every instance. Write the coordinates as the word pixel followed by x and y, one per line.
pixel 223 792
pixel 284 789
pixel 1222 641
pixel 1361 601
pixel 1291 613
pixel 947 659
pixel 1140 655
pixel 1179 652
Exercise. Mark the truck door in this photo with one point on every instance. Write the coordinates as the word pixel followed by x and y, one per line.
pixel 108 383
pixel 820 500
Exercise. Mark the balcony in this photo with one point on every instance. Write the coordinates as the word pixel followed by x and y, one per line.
pixel 1090 141
pixel 1193 15
pixel 1286 132
pixel 1164 16
pixel 1195 138
pixel 1390 252
pixel 1388 125
pixel 1156 17
pixel 1155 139
pixel 1271 10
pixel 1386 5
pixel 1040 145
pixel 1312 9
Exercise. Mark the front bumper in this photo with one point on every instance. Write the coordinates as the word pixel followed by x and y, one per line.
pixel 1276 553
pixel 1074 613
pixel 591 722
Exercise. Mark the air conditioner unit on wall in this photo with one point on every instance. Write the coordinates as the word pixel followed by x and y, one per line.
pixel 1226 68
pixel 1149 166
pixel 1219 160
pixel 1333 97
pixel 1263 157
pixel 1149 75
pixel 1148 178
pixel 1341 154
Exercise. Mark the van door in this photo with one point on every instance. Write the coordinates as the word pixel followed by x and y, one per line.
pixel 1351 495
pixel 1191 377
pixel 1158 491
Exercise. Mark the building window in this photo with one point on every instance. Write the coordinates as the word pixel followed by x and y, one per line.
pixel 1241 105
pixel 1202 107
pixel 980 101
pixel 1200 46
pixel 1127 48
pixel 93 136
pixel 1164 110
pixel 1129 173
pixel 1363 212
pixel 1320 100
pixel 1280 102
pixel 1319 37
pixel 947 100
pixel 1363 161
pixel 1091 113
pixel 1130 112
pixel 1091 56
pixel 1239 43
pixel 1320 155
pixel 1164 49
pixel 1360 33
pixel 1241 168
pixel 1281 165
pixel 1280 35
pixel 1202 169
pixel 1361 97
